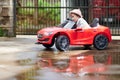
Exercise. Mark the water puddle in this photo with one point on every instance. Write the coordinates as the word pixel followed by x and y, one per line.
pixel 88 66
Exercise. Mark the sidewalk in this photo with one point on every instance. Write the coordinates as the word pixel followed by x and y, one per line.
pixel 35 37
pixel 115 37
pixel 12 49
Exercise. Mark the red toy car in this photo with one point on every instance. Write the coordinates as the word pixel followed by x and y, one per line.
pixel 67 34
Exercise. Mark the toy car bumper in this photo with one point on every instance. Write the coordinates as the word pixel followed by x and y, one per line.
pixel 43 39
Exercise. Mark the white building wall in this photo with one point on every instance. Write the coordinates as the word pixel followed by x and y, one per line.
pixel 63 10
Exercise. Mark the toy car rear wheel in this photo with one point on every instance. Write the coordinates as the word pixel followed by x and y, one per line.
pixel 62 43
pixel 100 42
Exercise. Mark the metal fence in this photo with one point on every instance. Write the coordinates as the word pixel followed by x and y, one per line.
pixel 32 15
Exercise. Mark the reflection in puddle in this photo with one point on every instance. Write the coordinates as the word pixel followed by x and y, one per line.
pixel 28 74
pixel 98 66
pixel 79 65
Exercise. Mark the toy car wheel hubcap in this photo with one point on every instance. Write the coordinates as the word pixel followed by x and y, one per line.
pixel 101 42
pixel 64 43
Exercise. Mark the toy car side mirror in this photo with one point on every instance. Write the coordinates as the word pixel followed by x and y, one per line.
pixel 78 29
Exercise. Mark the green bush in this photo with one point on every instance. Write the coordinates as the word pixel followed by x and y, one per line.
pixel 42 8
pixel 27 10
pixel 46 11
pixel 3 32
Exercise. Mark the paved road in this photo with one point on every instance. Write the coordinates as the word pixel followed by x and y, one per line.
pixel 17 55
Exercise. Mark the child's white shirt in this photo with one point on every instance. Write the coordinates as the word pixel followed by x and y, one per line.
pixel 82 23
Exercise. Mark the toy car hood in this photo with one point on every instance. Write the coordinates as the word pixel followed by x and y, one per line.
pixel 50 29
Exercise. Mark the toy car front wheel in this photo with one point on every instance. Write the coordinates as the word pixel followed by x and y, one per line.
pixel 48 45
pixel 100 42
pixel 62 43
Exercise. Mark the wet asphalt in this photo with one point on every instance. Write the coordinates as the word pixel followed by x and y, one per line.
pixel 21 59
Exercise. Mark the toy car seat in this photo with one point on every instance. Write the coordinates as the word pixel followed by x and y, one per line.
pixel 95 22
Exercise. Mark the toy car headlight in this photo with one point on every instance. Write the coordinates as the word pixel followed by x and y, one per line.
pixel 40 35
pixel 48 33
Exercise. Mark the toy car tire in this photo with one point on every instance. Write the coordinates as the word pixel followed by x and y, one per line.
pixel 62 43
pixel 87 45
pixel 48 45
pixel 100 42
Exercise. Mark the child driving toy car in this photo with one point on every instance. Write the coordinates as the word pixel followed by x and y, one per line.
pixel 77 17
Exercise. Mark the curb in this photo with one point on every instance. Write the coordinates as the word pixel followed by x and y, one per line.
pixel 34 36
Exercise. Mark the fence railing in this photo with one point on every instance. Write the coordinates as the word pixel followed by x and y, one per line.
pixel 33 15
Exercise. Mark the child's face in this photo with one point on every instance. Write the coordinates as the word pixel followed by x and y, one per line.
pixel 74 17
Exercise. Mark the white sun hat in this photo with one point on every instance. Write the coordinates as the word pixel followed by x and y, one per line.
pixel 76 11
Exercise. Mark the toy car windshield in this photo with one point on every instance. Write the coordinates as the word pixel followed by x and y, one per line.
pixel 69 24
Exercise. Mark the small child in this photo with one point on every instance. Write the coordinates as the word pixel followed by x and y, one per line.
pixel 77 17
